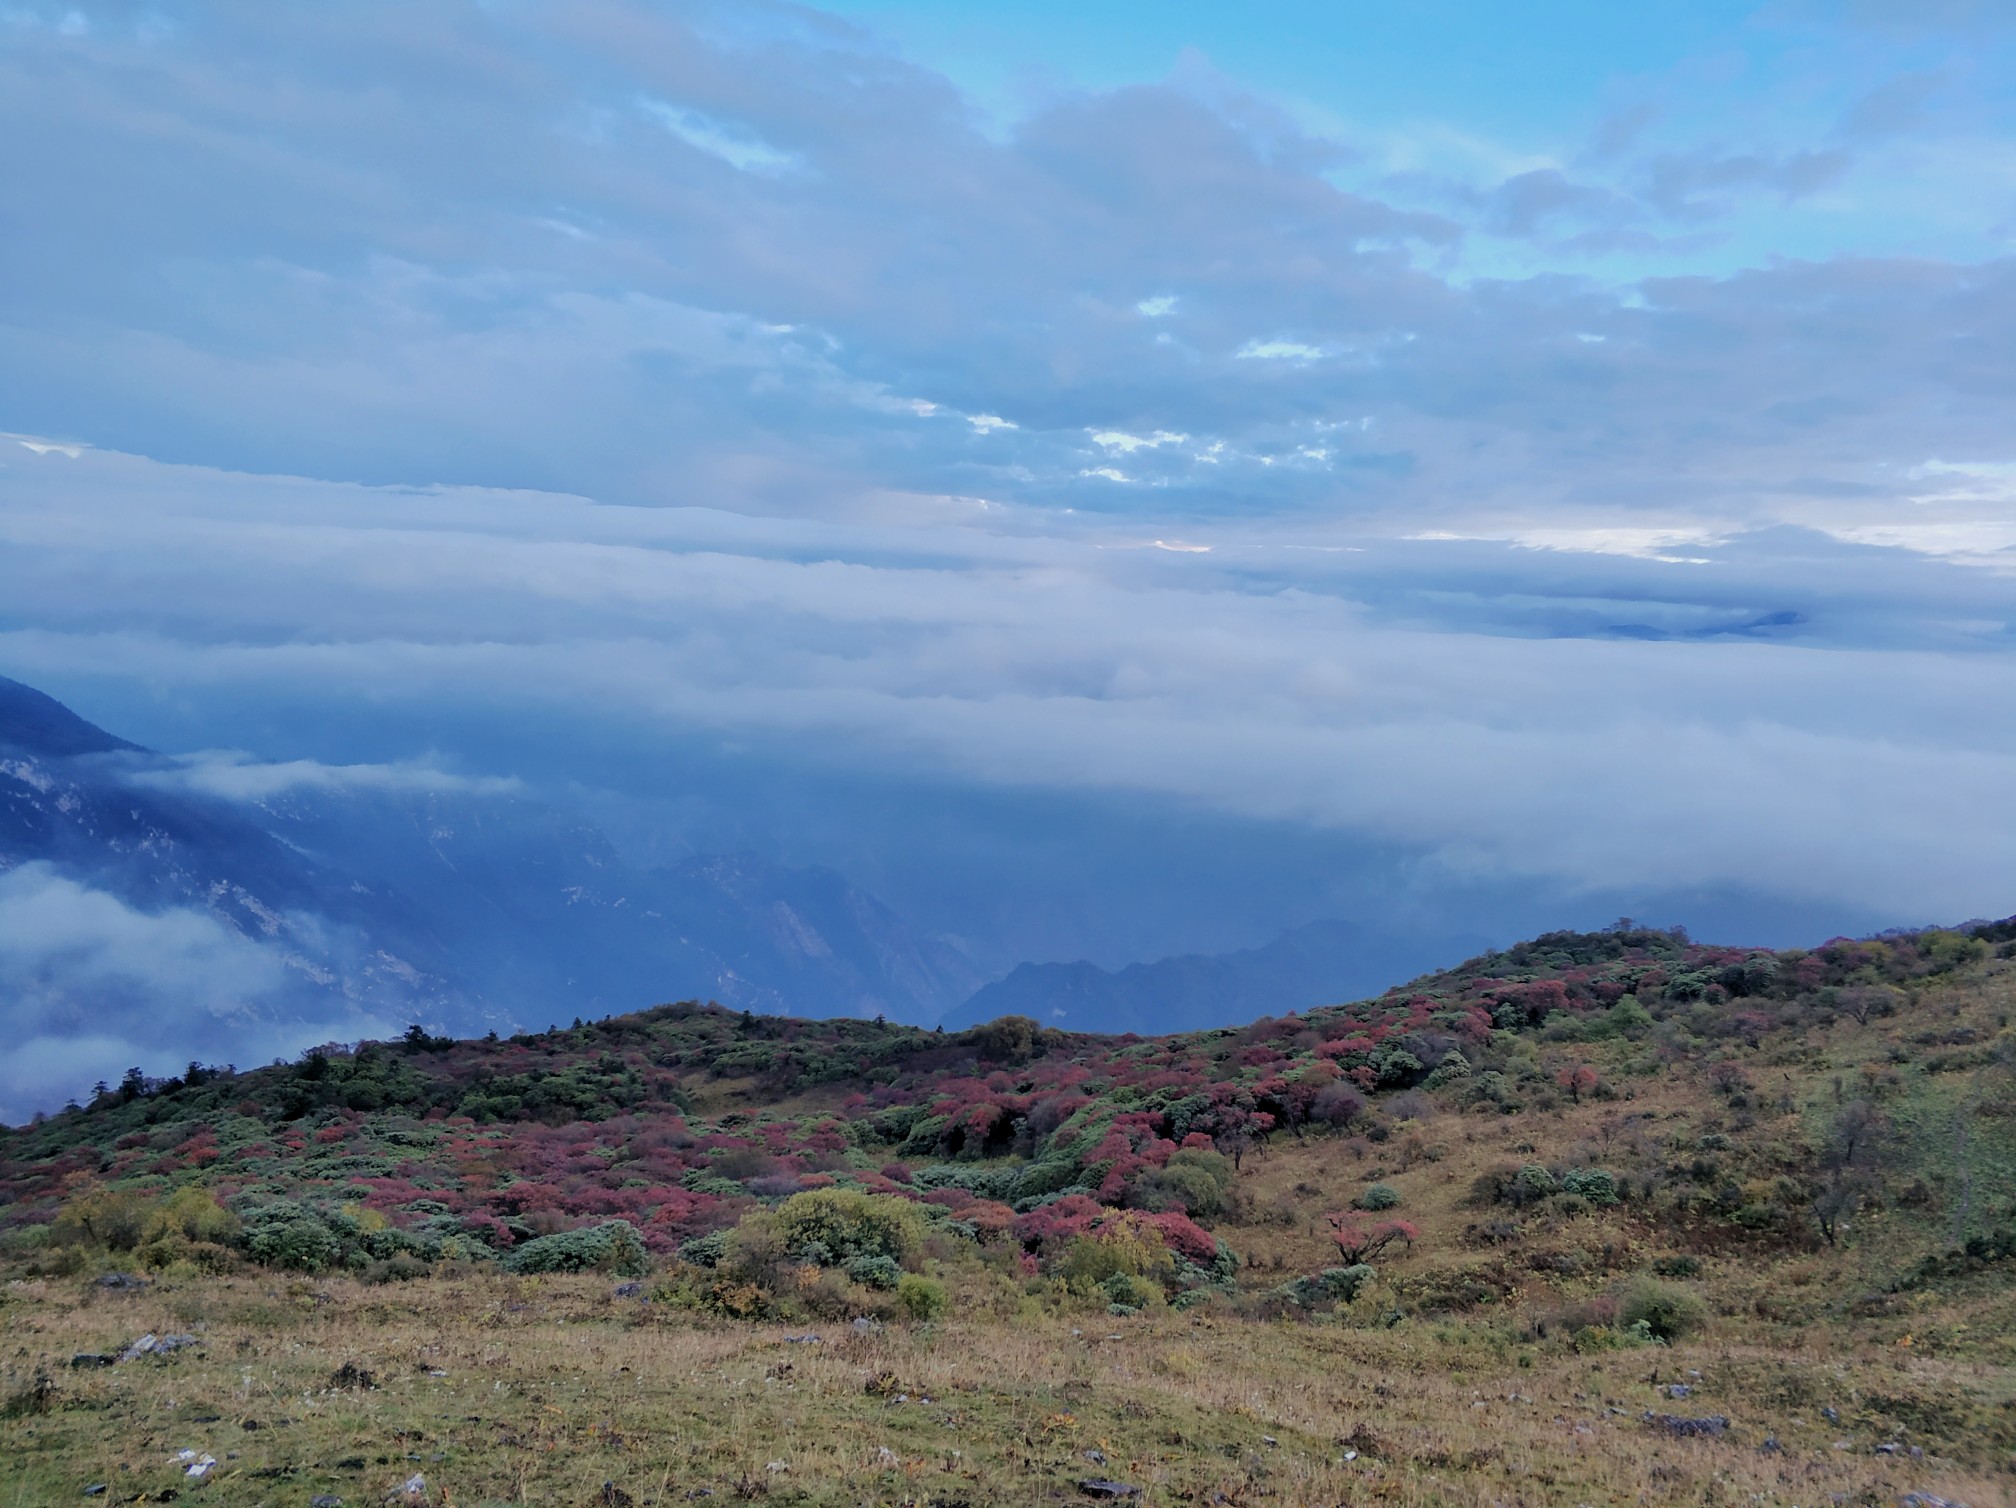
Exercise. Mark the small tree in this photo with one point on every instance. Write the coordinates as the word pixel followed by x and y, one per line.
pixel 1578 1080
pixel 1359 1241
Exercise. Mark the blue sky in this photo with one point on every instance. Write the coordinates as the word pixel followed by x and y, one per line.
pixel 1560 452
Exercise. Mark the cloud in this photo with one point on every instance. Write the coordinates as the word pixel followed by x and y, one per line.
pixel 238 776
pixel 1597 705
pixel 94 987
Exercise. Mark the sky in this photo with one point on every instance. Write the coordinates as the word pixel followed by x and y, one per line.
pixel 1443 453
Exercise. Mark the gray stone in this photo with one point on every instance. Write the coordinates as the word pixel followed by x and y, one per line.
pixel 1710 1426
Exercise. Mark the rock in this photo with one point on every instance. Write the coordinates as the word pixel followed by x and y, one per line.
pixel 414 1486
pixel 1831 1415
pixel 151 1344
pixel 1096 1457
pixel 1678 1390
pixel 1770 1447
pixel 1888 1448
pixel 1926 1500
pixel 92 1359
pixel 141 1347
pixel 95 1490
pixel 628 1291
pixel 866 1326
pixel 1710 1426
pixel 1098 1487
pixel 120 1282
pixel 200 1467
pixel 325 1500
pixel 350 1375
pixel 807 1339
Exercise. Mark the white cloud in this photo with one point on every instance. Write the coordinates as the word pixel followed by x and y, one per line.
pixel 239 776
pixel 1278 350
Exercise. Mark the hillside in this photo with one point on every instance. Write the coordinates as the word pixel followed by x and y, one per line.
pixel 1618 1148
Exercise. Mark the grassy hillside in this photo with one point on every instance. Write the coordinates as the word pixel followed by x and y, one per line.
pixel 1469 1242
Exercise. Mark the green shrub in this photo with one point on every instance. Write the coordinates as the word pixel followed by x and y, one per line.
pixel 875 1271
pixel 707 1250
pixel 1333 1285
pixel 288 1234
pixel 1126 1291
pixel 1123 1246
pixel 1681 1266
pixel 1532 1183
pixel 1379 1196
pixel 1666 1313
pixel 919 1297
pixel 613 1246
pixel 402 1268
pixel 1593 1184
pixel 837 1227
pixel 1196 1180
pixel 194 1214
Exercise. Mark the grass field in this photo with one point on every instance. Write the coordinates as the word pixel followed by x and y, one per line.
pixel 503 1390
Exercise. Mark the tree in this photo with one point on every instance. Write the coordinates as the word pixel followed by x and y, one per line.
pixel 1358 1241
pixel 1578 1079
pixel 1849 1157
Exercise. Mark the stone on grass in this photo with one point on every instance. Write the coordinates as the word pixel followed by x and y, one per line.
pixel 1709 1426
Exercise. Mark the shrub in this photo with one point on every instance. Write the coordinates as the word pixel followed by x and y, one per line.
pixel 1379 1196
pixel 1333 1285
pixel 836 1227
pixel 402 1268
pixel 1126 1246
pixel 195 1215
pixel 613 1246
pixel 1593 1184
pixel 707 1250
pixel 1128 1294
pixel 112 1218
pixel 1531 1184
pixel 1196 1180
pixel 287 1234
pixel 875 1271
pixel 1667 1313
pixel 919 1297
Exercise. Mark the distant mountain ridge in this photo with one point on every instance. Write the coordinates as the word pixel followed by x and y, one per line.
pixel 351 905
pixel 1321 963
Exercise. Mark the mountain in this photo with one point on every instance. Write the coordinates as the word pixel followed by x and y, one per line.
pixel 1318 964
pixel 152 905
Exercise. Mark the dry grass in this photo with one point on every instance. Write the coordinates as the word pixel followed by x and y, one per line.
pixel 549 1389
